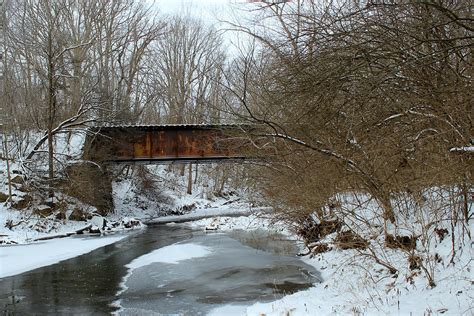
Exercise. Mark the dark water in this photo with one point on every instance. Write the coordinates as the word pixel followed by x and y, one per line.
pixel 235 272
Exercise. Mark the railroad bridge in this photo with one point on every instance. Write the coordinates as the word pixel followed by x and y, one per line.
pixel 150 144
pixel 155 144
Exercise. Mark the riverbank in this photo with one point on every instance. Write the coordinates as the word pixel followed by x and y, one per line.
pixel 351 284
pixel 354 285
pixel 36 242
pixel 22 258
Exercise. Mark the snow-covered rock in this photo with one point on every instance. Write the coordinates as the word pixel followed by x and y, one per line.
pixel 98 221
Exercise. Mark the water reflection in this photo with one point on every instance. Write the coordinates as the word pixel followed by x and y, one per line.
pixel 88 284
pixel 233 273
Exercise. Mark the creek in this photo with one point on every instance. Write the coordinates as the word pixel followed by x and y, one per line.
pixel 241 268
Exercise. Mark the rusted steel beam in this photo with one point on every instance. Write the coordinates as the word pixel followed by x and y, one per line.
pixel 165 143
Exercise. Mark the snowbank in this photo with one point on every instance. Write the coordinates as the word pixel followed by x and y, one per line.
pixel 21 258
pixel 354 286
pixel 163 192
pixel 357 285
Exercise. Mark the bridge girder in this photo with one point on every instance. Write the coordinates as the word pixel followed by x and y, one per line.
pixel 155 144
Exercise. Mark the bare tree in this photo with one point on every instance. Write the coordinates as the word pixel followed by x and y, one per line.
pixel 361 97
pixel 188 60
pixel 69 76
pixel 125 33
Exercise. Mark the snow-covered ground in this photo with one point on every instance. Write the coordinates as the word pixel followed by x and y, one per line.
pixel 167 196
pixel 353 285
pixel 360 287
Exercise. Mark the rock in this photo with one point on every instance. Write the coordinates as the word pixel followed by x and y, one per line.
pixel 3 197
pixel 130 222
pixel 78 215
pixel 17 179
pixel 95 230
pixel 82 230
pixel 188 207
pixel 61 215
pixel 98 221
pixel 23 202
pixel 43 210
pixel 214 225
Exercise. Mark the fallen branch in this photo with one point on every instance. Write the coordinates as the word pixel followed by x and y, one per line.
pixel 55 236
pixel 77 232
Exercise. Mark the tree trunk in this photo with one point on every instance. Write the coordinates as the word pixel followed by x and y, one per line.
pixel 51 108
pixel 190 179
pixel 223 181
pixel 50 156
pixel 196 174
pixel 77 87
pixel 7 158
pixel 465 194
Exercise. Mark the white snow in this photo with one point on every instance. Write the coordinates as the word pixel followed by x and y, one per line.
pixel 208 213
pixel 469 149
pixel 229 310
pixel 170 254
pixel 21 258
pixel 168 196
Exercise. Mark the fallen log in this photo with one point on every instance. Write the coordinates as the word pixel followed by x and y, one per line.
pixel 209 213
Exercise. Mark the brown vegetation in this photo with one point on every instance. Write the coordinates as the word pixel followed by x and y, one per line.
pixel 350 240
pixel 403 242
pixel 368 99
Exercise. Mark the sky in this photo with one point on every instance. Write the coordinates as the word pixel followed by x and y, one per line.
pixel 212 12
pixel 209 10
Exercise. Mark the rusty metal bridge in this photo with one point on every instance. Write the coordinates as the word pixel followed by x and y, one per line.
pixel 167 143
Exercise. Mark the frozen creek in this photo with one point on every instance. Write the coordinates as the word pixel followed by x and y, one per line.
pixel 164 270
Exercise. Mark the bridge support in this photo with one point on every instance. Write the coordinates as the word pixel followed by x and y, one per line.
pixel 91 184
